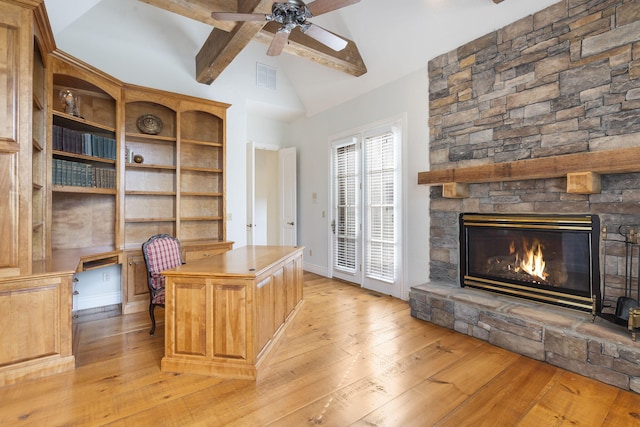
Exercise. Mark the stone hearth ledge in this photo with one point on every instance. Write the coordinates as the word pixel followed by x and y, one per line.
pixel 559 336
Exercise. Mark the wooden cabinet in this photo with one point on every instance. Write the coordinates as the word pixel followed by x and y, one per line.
pixel 135 295
pixel 16 56
pixel 36 326
pixel 35 308
pixel 225 315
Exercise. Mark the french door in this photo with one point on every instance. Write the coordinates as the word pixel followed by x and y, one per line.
pixel 366 205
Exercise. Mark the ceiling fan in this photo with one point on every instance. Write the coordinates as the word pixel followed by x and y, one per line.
pixel 294 14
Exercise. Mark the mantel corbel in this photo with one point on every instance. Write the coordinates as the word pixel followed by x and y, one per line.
pixel 582 171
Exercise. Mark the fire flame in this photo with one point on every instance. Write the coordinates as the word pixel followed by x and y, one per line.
pixel 530 260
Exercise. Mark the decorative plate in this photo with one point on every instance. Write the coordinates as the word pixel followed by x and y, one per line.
pixel 149 124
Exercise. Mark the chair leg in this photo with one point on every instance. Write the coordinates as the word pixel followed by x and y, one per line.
pixel 153 319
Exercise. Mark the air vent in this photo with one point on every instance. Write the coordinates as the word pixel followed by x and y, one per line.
pixel 265 76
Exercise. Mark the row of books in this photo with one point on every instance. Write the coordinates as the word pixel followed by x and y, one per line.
pixel 74 141
pixel 66 172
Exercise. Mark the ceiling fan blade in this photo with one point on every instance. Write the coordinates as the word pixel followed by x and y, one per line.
pixel 325 37
pixel 318 7
pixel 230 16
pixel 278 43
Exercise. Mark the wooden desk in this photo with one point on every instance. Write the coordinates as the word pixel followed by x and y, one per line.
pixel 225 314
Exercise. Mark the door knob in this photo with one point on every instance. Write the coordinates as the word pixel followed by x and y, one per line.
pixel 290 223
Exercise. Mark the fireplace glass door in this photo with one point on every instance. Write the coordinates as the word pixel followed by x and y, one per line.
pixel 546 258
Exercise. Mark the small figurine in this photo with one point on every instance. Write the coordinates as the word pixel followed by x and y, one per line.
pixel 70 102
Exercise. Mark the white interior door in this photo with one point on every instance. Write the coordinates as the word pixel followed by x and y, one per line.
pixel 287 195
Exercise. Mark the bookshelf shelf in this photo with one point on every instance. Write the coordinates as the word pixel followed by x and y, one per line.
pixel 198 142
pixel 200 194
pixel 143 220
pixel 202 218
pixel 150 193
pixel 149 166
pixel 66 154
pixel 83 190
pixel 80 124
pixel 38 104
pixel 37 145
pixel 157 139
pixel 200 169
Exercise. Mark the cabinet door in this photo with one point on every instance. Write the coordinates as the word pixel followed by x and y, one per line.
pixel 9 214
pixel 293 283
pixel 10 79
pixel 264 313
pixel 15 140
pixel 279 299
pixel 137 291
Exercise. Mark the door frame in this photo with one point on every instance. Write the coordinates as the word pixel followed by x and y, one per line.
pixel 251 148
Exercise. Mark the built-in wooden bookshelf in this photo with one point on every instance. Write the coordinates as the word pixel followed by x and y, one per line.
pixel 177 186
pixel 38 158
pixel 84 150
pixel 150 182
pixel 201 175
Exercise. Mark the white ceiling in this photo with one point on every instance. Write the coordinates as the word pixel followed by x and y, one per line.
pixel 126 38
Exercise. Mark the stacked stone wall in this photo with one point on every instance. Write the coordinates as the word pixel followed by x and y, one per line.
pixel 564 80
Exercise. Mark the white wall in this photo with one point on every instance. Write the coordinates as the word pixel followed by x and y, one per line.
pixel 312 135
pixel 97 288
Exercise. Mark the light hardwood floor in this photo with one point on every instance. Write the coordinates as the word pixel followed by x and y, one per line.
pixel 350 358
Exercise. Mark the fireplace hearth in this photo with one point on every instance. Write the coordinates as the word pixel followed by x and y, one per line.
pixel 548 258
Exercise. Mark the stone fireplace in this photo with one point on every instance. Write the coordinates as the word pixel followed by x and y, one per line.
pixel 541 116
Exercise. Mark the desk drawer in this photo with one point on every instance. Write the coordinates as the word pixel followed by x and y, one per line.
pixel 195 255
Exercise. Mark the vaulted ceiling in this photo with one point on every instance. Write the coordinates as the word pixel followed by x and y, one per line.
pixel 387 39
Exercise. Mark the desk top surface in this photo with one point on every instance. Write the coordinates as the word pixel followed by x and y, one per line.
pixel 243 262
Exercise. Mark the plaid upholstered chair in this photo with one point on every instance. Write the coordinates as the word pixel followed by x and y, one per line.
pixel 161 252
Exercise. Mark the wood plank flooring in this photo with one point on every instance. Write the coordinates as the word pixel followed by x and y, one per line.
pixel 350 358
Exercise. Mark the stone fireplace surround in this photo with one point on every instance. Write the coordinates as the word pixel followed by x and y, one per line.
pixel 565 80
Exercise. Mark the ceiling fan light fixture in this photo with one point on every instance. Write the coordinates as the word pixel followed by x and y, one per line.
pixel 292 14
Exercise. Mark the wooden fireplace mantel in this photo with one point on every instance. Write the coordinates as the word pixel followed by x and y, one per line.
pixel 582 170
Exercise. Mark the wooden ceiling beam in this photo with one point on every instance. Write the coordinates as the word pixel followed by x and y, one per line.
pixel 228 39
pixel 221 47
pixel 199 10
pixel 348 60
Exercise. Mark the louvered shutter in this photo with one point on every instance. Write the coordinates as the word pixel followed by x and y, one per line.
pixel 346 194
pixel 380 175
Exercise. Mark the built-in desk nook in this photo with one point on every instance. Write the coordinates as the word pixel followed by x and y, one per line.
pixel 225 314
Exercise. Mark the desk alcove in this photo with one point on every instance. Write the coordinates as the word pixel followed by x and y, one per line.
pixel 225 315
